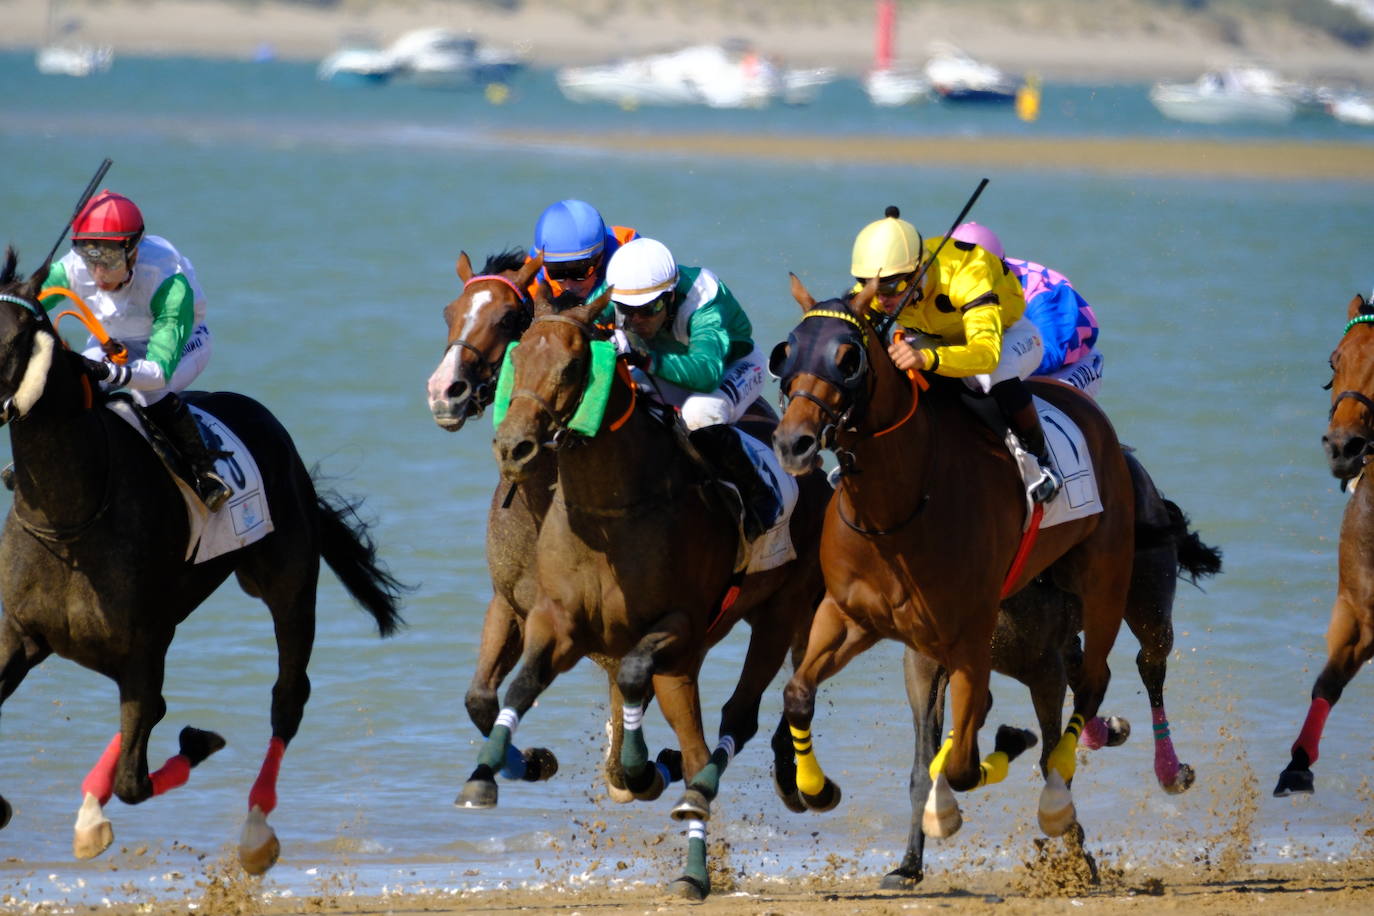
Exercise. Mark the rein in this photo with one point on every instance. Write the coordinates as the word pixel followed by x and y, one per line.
pixel 114 349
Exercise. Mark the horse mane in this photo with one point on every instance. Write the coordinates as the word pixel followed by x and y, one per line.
pixel 510 259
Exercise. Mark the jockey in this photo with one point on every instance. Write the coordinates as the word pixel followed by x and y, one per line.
pixel 577 245
pixel 146 295
pixel 965 321
pixel 683 326
pixel 1067 324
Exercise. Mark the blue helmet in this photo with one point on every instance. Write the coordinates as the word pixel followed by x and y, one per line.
pixel 570 230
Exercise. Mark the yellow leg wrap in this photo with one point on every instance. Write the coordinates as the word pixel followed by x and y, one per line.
pixel 1062 759
pixel 810 778
pixel 993 768
pixel 937 765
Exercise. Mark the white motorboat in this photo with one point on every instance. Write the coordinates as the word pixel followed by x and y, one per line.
pixel 74 60
pixel 1353 109
pixel 891 87
pixel 801 85
pixel 957 77
pixel 1230 95
pixel 357 62
pixel 706 74
pixel 439 58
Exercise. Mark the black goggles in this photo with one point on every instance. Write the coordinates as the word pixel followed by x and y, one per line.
pixel 892 286
pixel 647 310
pixel 571 271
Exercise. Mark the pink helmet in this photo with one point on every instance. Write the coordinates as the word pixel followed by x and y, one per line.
pixel 979 235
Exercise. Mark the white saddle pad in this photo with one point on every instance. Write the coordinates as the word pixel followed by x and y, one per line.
pixel 1069 450
pixel 243 519
pixel 774 547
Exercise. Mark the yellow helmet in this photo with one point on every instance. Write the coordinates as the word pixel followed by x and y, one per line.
pixel 886 248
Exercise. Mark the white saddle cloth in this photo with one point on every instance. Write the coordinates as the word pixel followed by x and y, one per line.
pixel 243 519
pixel 1069 451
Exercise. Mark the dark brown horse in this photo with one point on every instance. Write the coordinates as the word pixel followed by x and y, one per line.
pixel 493 310
pixel 636 561
pixel 92 564
pixel 1348 440
pixel 924 528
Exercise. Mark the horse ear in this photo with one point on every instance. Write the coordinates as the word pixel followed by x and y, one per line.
pixel 532 267
pixel 589 310
pixel 542 305
pixel 11 265
pixel 799 292
pixel 464 267
pixel 1358 306
pixel 864 297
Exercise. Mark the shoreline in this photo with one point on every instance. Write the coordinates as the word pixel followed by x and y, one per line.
pixel 1056 39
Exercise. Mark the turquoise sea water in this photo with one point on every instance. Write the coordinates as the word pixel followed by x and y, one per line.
pixel 324 225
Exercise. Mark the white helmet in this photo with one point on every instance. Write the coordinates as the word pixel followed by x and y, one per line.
pixel 640 271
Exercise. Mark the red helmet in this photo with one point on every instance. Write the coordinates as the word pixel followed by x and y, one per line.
pixel 109 216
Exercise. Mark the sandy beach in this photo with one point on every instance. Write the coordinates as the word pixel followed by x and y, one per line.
pixel 1066 40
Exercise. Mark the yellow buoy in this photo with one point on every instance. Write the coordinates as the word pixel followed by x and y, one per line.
pixel 1028 100
pixel 497 93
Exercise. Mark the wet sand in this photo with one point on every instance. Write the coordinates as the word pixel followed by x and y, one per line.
pixel 1122 156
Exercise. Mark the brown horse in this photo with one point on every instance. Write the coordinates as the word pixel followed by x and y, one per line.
pixel 920 555
pixel 636 560
pixel 1348 440
pixel 93 564
pixel 492 311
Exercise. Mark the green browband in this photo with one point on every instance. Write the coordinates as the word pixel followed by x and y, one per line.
pixel 595 395
pixel 1358 319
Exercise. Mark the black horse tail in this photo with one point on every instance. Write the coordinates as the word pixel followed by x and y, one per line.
pixel 1195 558
pixel 348 549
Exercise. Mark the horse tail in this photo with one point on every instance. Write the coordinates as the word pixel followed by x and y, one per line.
pixel 1195 558
pixel 347 547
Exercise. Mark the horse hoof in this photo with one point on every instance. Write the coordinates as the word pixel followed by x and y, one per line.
pixel 1183 781
pixel 1056 814
pixel 196 744
pixel 824 800
pixel 619 794
pixel 258 846
pixel 694 806
pixel 941 816
pixel 900 881
pixel 477 793
pixel 791 798
pixel 93 833
pixel 1292 782
pixel 654 788
pixel 6 812
pixel 540 764
pixel 1118 730
pixel 670 758
pixel 689 888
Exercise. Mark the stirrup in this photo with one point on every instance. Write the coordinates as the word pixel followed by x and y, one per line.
pixel 213 491
pixel 7 476
pixel 1047 487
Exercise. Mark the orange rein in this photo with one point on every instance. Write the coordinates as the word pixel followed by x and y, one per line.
pixel 919 383
pixel 114 349
pixel 622 369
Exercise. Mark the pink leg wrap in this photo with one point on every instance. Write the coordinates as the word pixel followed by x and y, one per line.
pixel 100 780
pixel 174 773
pixel 1311 734
pixel 264 793
pixel 1094 735
pixel 1166 761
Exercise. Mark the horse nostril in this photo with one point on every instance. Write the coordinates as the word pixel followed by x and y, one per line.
pixel 1354 447
pixel 523 451
pixel 458 391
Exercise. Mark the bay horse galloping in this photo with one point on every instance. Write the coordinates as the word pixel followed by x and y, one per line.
pixel 925 526
pixel 93 568
pixel 493 310
pixel 636 561
pixel 1348 441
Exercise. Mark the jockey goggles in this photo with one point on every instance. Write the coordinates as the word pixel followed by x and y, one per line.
pixel 110 257
pixel 892 286
pixel 571 271
pixel 647 310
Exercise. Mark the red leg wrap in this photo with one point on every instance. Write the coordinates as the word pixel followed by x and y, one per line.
pixel 100 780
pixel 1166 760
pixel 1311 734
pixel 1094 734
pixel 174 773
pixel 264 793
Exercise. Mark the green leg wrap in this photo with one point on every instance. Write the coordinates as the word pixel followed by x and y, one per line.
pixel 696 853
pixel 494 751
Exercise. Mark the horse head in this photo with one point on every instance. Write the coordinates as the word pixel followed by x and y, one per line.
pixel 492 310
pixel 1350 433
pixel 551 371
pixel 823 369
pixel 27 340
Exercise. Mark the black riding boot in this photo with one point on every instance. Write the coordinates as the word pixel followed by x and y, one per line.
pixel 177 424
pixel 720 445
pixel 1015 400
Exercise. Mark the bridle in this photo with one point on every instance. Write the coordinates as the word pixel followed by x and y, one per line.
pixel 562 433
pixel 1363 400
pixel 515 322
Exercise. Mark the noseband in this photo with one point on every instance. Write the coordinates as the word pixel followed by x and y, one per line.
pixel 1361 399
pixel 561 431
pixel 516 322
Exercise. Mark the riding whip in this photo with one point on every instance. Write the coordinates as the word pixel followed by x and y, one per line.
pixel 80 205
pixel 886 321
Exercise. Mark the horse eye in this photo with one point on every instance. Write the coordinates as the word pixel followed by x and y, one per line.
pixel 849 362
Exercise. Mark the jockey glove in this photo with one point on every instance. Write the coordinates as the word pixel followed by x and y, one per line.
pixel 631 346
pixel 105 371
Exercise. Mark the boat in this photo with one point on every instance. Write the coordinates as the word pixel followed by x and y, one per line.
pixel 957 77
pixel 1228 95
pixel 719 76
pixel 74 60
pixel 358 62
pixel 801 85
pixel 1353 108
pixel 438 58
pixel 887 84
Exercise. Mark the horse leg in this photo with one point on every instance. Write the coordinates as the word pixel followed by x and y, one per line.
pixel 612 769
pixel 1149 615
pixel 1349 644
pixel 680 701
pixel 21 655
pixel 835 639
pixel 548 652
pixel 638 680
pixel 926 682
